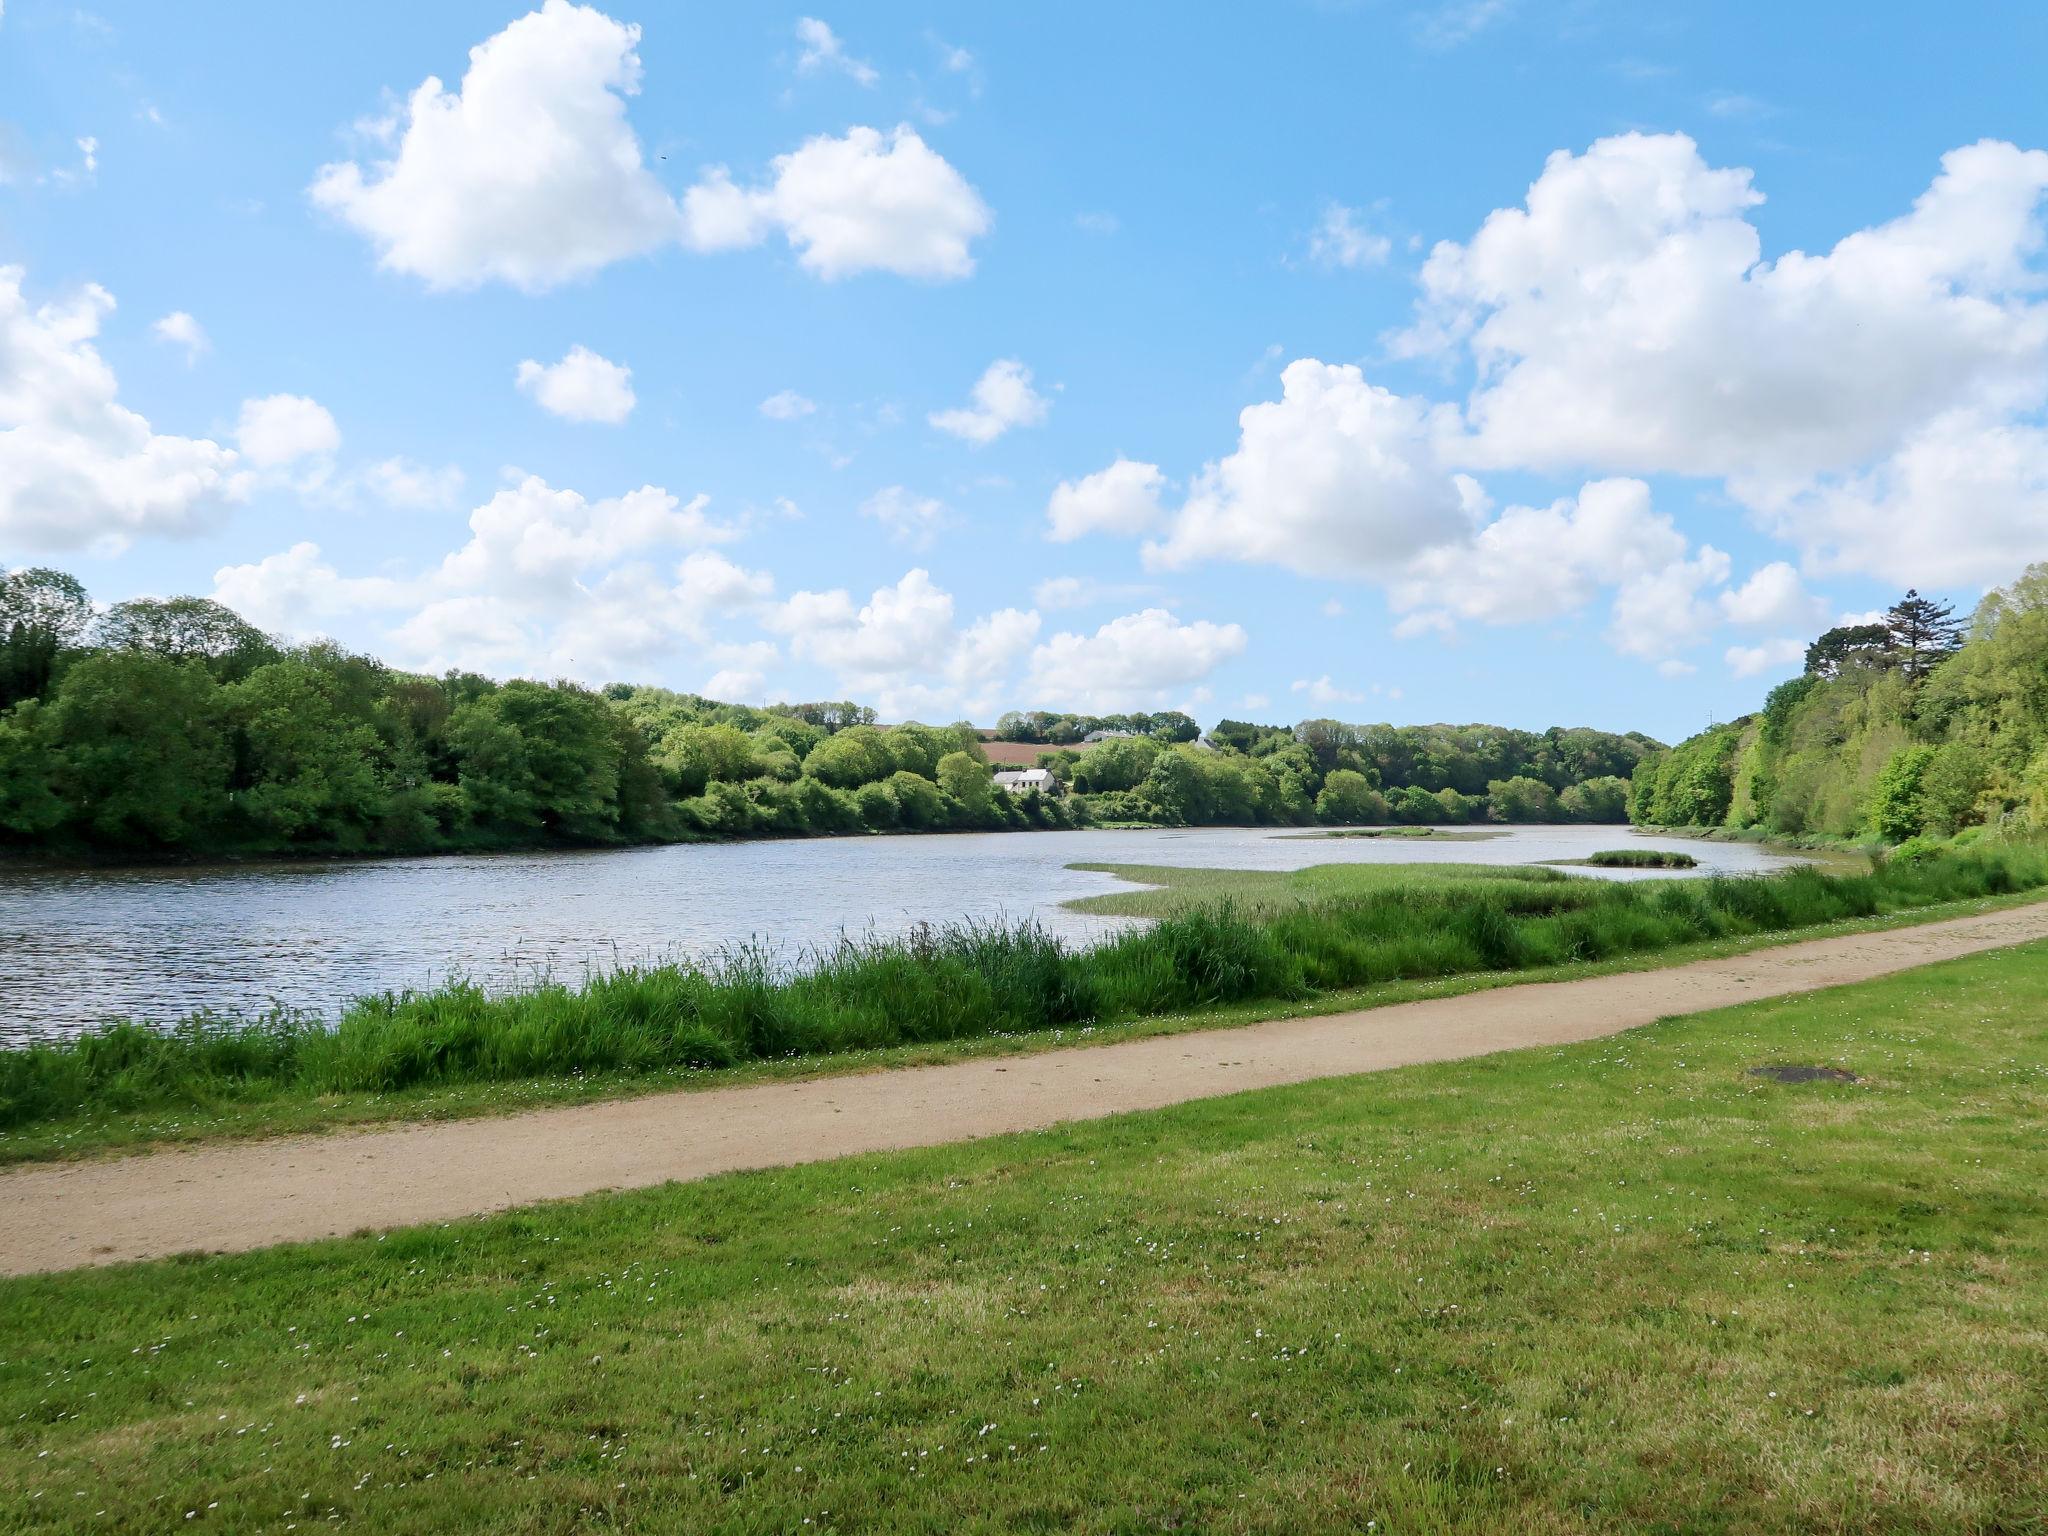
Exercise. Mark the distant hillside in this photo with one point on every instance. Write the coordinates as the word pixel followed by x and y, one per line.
pixel 1920 724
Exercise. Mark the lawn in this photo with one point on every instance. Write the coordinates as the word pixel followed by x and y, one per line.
pixel 1622 1286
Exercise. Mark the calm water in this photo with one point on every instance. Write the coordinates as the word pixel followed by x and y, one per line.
pixel 159 943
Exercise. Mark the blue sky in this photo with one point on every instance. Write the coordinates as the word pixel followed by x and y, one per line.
pixel 1611 461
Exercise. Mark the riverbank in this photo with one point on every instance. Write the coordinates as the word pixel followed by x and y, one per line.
pixel 458 1050
pixel 1626 1278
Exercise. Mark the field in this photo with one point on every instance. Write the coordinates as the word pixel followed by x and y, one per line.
pixel 1616 1287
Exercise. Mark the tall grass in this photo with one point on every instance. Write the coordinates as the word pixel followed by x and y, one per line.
pixel 955 982
pixel 1641 858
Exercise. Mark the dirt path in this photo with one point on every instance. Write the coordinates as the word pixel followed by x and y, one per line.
pixel 251 1194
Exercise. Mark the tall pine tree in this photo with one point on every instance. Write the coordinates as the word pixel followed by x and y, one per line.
pixel 1922 632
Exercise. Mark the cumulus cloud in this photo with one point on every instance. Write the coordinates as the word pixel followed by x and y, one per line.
pixel 277 430
pixel 529 174
pixel 1773 598
pixel 1122 499
pixel 1340 240
pixel 1323 692
pixel 582 387
pixel 1767 656
pixel 823 50
pixel 1141 660
pixel 863 202
pixel 1624 317
pixel 296 591
pixel 549 583
pixel 787 405
pixel 399 482
pixel 77 468
pixel 904 649
pixel 179 329
pixel 910 518
pixel 1003 398
pixel 1337 477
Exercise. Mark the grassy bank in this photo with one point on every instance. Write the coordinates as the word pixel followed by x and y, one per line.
pixel 1310 933
pixel 1614 1287
pixel 1641 858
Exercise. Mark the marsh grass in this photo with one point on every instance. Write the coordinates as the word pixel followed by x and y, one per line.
pixel 1641 858
pixel 964 981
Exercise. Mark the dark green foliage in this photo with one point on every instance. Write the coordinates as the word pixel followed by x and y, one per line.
pixel 1641 858
pixel 1922 632
pixel 963 981
pixel 1846 646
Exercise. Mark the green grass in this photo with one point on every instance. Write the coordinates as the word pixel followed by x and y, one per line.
pixel 1615 1287
pixel 1171 889
pixel 1641 858
pixel 1296 938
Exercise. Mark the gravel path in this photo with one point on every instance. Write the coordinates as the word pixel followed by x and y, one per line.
pixel 242 1195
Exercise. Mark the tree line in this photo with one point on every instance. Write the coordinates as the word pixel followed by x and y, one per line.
pixel 1918 723
pixel 174 728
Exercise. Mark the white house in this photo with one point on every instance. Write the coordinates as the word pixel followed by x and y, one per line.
pixel 1018 780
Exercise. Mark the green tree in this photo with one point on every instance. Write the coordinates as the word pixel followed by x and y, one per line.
pixel 1349 799
pixel 1922 633
pixel 1897 811
pixel 1522 799
pixel 29 771
pixel 43 613
pixel 970 784
pixel 1849 645
pixel 144 761
pixel 187 629
pixel 306 772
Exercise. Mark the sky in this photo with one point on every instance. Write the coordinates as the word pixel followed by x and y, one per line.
pixel 1473 361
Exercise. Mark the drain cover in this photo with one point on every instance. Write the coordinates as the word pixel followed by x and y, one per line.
pixel 1804 1074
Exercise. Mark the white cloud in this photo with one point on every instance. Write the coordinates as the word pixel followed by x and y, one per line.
pixel 911 519
pixel 848 205
pixel 1122 499
pixel 1003 398
pixel 1095 222
pixel 282 429
pixel 1138 661
pixel 1624 317
pixel 1661 612
pixel 548 584
pixel 1459 21
pixel 1767 656
pixel 902 648
pixel 1339 240
pixel 786 405
pixel 296 592
pixel 1337 477
pixel 1087 592
pixel 78 469
pixel 399 482
pixel 952 59
pixel 179 329
pixel 1323 691
pixel 707 580
pixel 1773 598
pixel 1333 609
pixel 1533 563
pixel 533 538
pixel 1964 501
pixel 822 49
pixel 529 174
pixel 582 387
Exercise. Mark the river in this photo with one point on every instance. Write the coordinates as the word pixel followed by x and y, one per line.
pixel 81 946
